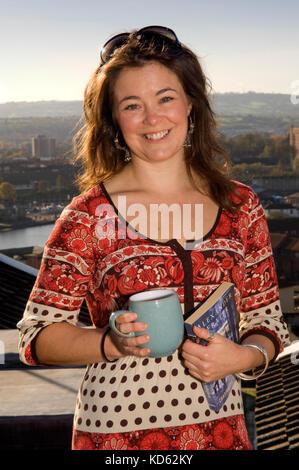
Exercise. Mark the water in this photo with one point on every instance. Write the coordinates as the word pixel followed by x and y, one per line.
pixel 31 236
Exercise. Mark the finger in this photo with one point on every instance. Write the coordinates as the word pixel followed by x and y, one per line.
pixel 129 327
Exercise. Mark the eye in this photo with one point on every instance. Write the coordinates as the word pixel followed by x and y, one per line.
pixel 166 99
pixel 131 107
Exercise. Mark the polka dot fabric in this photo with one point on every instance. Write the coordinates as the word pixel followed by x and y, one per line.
pixel 134 402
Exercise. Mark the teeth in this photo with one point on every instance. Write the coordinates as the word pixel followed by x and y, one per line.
pixel 157 136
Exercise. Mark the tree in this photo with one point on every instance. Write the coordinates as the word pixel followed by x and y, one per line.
pixel 8 192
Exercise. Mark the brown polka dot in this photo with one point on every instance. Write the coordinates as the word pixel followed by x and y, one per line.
pixel 93 379
pixel 162 373
pixel 141 391
pixel 127 393
pixel 113 380
pixel 138 421
pixel 98 423
pixel 174 402
pixel 182 416
pixel 201 399
pixel 155 389
pixel 232 406
pixel 132 407
pixel 70 317
pixel 136 378
pixel 268 311
pixel 123 379
pixel 94 408
pixel 160 403
pixel 195 415
pixel 169 358
pixel 102 394
pixel 57 315
pixel 145 363
pixel 80 421
pixel 207 412
pixel 117 409
pixel 105 409
pixel 123 366
pixel 113 394
pixel 88 422
pixel 174 372
pixel 224 408
pixel 84 392
pixel 146 405
pixel 188 401
pixel 167 418
pixel 86 407
pixel 158 360
pixel 153 419
pixel 35 310
pixel 134 363
pixel 104 365
pixel 181 387
pixel 113 367
pixel 109 424
pixel 149 375
pixel 193 385
pixel 168 388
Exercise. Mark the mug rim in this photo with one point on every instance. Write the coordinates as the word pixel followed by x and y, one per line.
pixel 167 293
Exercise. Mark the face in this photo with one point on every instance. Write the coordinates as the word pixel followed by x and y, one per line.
pixel 151 109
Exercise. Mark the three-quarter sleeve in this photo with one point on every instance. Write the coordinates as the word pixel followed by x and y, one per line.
pixel 64 278
pixel 260 310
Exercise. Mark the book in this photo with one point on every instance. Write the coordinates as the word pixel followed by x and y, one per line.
pixel 218 313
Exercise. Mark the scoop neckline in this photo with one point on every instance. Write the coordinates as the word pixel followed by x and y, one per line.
pixel 172 241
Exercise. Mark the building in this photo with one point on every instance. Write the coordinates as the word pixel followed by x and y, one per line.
pixel 294 139
pixel 43 148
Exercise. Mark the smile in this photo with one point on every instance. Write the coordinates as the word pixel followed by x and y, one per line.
pixel 157 135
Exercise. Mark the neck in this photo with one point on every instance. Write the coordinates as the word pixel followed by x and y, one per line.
pixel 159 178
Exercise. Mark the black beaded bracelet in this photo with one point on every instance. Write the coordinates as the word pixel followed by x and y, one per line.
pixel 103 346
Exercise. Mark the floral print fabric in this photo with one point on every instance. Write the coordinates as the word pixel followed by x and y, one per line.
pixel 222 434
pixel 93 254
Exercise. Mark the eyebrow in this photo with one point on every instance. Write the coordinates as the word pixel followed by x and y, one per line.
pixel 160 92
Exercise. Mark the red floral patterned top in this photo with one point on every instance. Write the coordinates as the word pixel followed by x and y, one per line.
pixel 144 403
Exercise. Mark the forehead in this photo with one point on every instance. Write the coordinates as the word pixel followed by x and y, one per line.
pixel 150 77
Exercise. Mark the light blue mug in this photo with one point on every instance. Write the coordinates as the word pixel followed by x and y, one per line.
pixel 161 310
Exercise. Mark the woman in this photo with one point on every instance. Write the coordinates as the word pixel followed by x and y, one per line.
pixel 150 139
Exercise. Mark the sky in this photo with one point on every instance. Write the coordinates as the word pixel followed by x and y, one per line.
pixel 49 49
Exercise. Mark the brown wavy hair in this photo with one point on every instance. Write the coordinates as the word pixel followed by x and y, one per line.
pixel 95 146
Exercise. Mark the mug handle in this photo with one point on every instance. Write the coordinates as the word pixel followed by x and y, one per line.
pixel 112 320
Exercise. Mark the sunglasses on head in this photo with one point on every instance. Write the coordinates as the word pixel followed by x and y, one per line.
pixel 148 32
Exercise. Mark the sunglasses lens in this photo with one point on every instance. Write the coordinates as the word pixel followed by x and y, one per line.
pixel 161 31
pixel 111 45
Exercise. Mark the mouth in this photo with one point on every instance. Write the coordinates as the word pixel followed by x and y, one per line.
pixel 157 135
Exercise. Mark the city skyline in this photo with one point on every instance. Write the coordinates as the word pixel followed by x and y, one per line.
pixel 49 50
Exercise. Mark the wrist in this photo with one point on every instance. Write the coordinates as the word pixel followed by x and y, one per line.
pixel 105 349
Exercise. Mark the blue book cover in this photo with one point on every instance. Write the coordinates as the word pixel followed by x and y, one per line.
pixel 218 313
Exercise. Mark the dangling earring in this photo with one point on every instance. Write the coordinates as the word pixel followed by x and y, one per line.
pixel 127 157
pixel 187 142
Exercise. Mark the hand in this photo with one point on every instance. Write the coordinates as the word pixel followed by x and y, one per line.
pixel 220 358
pixel 118 346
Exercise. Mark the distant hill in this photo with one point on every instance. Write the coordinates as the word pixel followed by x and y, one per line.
pixel 255 104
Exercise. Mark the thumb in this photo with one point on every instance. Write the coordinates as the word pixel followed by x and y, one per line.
pixel 204 333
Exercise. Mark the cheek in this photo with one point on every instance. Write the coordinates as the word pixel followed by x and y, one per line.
pixel 128 126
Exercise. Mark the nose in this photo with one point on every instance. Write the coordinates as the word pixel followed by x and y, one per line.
pixel 151 116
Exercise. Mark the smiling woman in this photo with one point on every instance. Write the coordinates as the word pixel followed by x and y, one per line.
pixel 150 140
